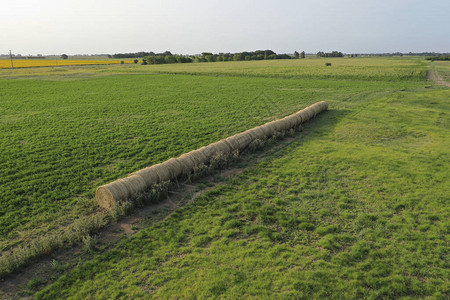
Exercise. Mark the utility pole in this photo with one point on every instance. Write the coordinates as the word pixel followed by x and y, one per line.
pixel 10 56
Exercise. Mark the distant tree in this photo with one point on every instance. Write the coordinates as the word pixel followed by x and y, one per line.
pixel 302 55
pixel 210 57
pixel 109 56
pixel 170 59
pixel 283 56
pixel 238 57
pixel 296 54
pixel 136 61
pixel 64 56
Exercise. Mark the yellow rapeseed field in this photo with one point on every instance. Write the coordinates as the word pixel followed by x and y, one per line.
pixel 27 63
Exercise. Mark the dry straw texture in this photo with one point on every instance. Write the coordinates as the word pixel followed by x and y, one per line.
pixel 138 182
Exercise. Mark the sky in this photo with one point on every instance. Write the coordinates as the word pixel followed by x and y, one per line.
pixel 195 26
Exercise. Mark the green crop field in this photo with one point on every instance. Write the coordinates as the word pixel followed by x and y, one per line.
pixel 354 206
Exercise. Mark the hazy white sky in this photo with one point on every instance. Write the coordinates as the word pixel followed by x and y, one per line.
pixel 189 27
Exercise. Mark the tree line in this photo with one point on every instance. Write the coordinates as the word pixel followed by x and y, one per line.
pixel 169 58
pixel 330 54
pixel 438 57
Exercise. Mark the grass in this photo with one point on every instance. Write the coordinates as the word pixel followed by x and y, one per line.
pixel 353 206
pixel 443 68
pixel 341 69
pixel 356 207
pixel 63 138
pixel 32 63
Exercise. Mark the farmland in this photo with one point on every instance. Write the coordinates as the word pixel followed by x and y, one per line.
pixel 354 206
pixel 31 63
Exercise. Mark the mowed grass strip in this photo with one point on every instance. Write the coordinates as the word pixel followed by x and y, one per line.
pixel 31 63
pixel 368 68
pixel 355 207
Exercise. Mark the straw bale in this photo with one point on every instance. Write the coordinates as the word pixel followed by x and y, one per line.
pixel 268 131
pixel 175 167
pixel 275 126
pixel 251 133
pixel 107 195
pixel 287 123
pixel 198 157
pixel 257 133
pixel 222 146
pixel 309 113
pixel 218 147
pixel 316 108
pixel 148 174
pixel 232 140
pixel 292 121
pixel 240 141
pixel 299 118
pixel 135 184
pixel 204 154
pixel 162 171
pixel 187 162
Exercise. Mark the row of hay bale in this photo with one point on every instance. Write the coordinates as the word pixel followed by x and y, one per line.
pixel 110 194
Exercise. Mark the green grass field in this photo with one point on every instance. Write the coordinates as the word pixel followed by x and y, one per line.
pixel 355 206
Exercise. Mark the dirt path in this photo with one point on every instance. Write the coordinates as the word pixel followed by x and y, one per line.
pixel 434 76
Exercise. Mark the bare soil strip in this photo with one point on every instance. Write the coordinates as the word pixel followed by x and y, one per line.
pixel 434 76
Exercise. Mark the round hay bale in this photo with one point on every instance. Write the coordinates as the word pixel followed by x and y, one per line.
pixel 202 154
pixel 233 141
pixel 208 151
pixel 251 133
pixel 269 129
pixel 222 146
pixel 316 109
pixel 148 174
pixel 274 126
pixel 308 113
pixel 109 194
pixel 198 157
pixel 230 147
pixel 218 147
pixel 187 162
pixel 292 121
pixel 257 133
pixel 135 184
pixel 295 120
pixel 284 124
pixel 162 171
pixel 299 118
pixel 243 139
pixel 175 167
